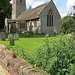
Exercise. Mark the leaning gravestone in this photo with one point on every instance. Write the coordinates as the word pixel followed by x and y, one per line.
pixel 2 36
pixel 16 36
pixel 10 36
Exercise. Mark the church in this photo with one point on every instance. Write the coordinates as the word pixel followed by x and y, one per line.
pixel 44 18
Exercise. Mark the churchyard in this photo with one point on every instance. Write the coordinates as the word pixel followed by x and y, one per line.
pixel 29 44
pixel 41 46
pixel 25 49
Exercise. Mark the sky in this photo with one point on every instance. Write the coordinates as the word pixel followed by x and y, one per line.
pixel 63 6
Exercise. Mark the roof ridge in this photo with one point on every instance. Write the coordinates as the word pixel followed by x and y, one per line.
pixel 31 14
pixel 34 8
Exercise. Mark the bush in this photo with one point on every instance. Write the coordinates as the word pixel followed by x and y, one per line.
pixel 54 34
pixel 57 58
pixel 73 35
pixel 29 33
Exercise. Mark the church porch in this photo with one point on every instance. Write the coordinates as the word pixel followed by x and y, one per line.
pixel 15 25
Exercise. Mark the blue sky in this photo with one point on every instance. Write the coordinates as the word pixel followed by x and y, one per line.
pixel 63 6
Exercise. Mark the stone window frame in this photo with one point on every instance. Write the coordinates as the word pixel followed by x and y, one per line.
pixel 50 17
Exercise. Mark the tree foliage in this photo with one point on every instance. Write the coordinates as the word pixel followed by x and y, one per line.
pixel 68 24
pixel 5 11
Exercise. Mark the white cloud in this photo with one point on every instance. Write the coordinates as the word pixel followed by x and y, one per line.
pixel 69 8
pixel 34 3
pixel 64 14
pixel 11 1
pixel 70 4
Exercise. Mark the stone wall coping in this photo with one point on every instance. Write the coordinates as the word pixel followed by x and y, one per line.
pixel 15 65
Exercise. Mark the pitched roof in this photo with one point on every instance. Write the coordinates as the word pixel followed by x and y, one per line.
pixel 31 14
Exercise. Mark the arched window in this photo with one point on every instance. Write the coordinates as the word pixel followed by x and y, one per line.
pixel 20 1
pixel 50 18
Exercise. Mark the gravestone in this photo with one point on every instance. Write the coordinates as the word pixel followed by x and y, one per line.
pixel 2 36
pixel 13 27
pixel 10 36
pixel 11 42
pixel 16 36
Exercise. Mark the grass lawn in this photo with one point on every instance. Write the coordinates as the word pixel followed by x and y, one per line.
pixel 31 44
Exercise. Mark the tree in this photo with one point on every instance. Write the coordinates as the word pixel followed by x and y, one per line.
pixel 74 13
pixel 68 24
pixel 5 11
pixel 30 7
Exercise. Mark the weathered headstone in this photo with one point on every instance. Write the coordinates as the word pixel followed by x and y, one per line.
pixel 10 36
pixel 11 42
pixel 2 36
pixel 13 28
pixel 16 36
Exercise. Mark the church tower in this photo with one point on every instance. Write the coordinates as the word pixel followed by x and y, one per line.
pixel 18 6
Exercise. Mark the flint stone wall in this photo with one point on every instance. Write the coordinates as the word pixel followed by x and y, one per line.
pixel 14 65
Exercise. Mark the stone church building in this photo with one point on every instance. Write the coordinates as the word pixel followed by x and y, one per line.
pixel 44 18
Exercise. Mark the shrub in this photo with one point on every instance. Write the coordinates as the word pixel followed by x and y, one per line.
pixel 73 35
pixel 57 58
pixel 54 34
pixel 31 33
pixel 27 34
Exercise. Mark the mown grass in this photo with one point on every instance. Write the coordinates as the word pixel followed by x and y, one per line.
pixel 31 44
